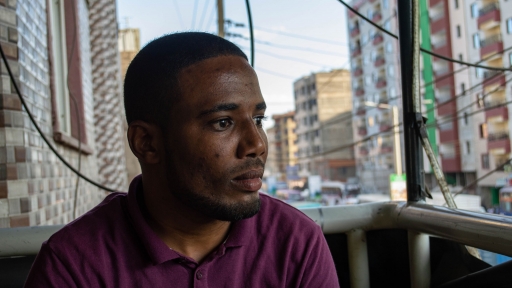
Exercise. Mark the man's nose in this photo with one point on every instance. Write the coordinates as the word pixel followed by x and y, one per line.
pixel 252 142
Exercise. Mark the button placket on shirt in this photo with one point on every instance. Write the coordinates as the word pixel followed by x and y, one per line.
pixel 199 274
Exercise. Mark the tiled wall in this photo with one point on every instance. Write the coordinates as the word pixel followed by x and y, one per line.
pixel 35 187
pixel 107 85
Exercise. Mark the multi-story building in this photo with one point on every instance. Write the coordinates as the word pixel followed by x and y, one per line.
pixel 65 59
pixel 468 144
pixel 376 90
pixel 129 46
pixel 323 104
pixel 284 145
pixel 489 34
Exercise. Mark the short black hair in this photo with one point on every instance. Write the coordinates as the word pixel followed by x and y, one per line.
pixel 151 81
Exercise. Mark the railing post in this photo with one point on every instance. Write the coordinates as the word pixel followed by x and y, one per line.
pixel 358 259
pixel 419 259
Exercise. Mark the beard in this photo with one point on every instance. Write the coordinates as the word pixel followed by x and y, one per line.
pixel 212 205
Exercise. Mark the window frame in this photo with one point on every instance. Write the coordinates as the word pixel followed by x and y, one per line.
pixel 66 75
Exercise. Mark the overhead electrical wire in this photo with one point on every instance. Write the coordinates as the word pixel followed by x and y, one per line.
pixel 308 38
pixel 32 119
pixel 422 49
pixel 251 29
pixel 203 15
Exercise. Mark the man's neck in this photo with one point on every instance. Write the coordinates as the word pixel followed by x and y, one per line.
pixel 187 232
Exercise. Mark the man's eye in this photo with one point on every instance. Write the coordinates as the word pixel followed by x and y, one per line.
pixel 258 120
pixel 222 124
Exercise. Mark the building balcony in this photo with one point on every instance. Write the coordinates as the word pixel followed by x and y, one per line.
pixel 494 78
pixel 355 52
pixel 438 24
pixel 433 3
pixel 385 126
pixel 450 133
pixel 361 111
pixel 379 61
pixel 355 31
pixel 386 148
pixel 450 163
pixel 351 14
pixel 489 16
pixel 447 108
pixel 358 71
pixel 499 113
pixel 383 100
pixel 362 131
pixel 377 17
pixel 377 39
pixel 381 82
pixel 498 143
pixel 363 150
pixel 359 91
pixel 491 45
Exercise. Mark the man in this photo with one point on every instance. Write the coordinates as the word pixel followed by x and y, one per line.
pixel 194 218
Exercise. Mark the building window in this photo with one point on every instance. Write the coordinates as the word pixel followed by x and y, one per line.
pixel 468 147
pixel 385 4
pixel 462 89
pixel 479 100
pixel 370 122
pixel 68 98
pixel 476 41
pixel 458 31
pixel 389 47
pixel 474 10
pixel 485 161
pixel 509 26
pixel 510 59
pixel 460 57
pixel 391 70
pixel 456 4
pixel 483 130
pixel 465 118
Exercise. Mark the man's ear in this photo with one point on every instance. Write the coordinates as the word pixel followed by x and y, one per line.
pixel 145 141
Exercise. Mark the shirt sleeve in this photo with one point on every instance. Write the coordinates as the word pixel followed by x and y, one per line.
pixel 320 270
pixel 49 271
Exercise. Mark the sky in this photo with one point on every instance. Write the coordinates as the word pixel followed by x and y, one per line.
pixel 320 40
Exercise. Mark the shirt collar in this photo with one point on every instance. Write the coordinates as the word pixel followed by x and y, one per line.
pixel 239 235
pixel 157 250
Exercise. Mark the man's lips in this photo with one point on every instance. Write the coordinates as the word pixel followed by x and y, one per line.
pixel 249 181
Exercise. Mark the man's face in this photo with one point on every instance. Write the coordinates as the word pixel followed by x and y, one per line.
pixel 216 147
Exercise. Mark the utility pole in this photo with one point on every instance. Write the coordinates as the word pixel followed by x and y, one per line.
pixel 220 18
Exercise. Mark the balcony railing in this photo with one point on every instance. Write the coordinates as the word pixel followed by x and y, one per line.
pixel 377 17
pixel 359 91
pixel 362 131
pixel 381 82
pixel 358 71
pixel 493 103
pixel 378 38
pixel 379 61
pixel 498 136
pixel 361 110
pixel 356 51
pixel 488 8
pixel 355 31
pixel 490 40
pixel 491 74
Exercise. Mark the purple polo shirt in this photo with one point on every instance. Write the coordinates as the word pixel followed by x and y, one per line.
pixel 113 246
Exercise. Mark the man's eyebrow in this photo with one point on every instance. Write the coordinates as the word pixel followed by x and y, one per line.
pixel 261 106
pixel 218 108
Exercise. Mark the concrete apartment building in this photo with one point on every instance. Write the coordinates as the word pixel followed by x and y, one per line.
pixel 72 102
pixel 489 33
pixel 282 139
pixel 469 144
pixel 375 74
pixel 323 104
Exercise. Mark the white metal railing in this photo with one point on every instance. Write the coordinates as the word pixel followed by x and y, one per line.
pixel 485 231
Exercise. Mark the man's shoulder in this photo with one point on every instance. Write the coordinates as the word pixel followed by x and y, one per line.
pixel 93 225
pixel 286 216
